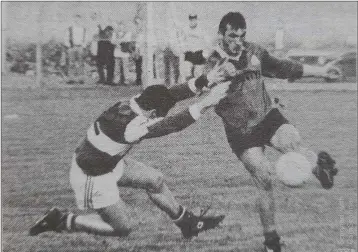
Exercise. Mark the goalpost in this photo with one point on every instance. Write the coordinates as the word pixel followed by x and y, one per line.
pixel 148 75
pixel 160 20
pixel 39 74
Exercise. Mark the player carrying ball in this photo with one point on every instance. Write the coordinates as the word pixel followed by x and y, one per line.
pixel 249 118
pixel 100 166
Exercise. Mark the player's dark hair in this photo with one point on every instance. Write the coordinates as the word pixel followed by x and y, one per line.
pixel 235 19
pixel 156 97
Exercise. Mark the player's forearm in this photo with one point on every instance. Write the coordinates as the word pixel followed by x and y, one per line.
pixel 175 123
pixel 189 89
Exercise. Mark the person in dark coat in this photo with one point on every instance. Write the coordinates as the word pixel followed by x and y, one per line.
pixel 105 56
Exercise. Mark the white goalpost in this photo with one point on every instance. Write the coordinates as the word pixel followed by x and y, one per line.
pixel 39 74
pixel 148 75
pixel 159 23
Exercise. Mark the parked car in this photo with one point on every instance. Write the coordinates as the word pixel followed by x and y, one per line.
pixel 339 66
pixel 343 68
pixel 312 57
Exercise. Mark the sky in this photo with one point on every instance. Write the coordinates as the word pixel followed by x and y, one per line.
pixel 302 21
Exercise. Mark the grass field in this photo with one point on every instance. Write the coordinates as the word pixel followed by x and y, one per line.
pixel 40 130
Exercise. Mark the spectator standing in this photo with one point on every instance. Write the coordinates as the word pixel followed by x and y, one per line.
pixel 172 55
pixel 105 56
pixel 124 46
pixel 75 40
pixel 137 55
pixel 96 25
pixel 94 35
pixel 195 44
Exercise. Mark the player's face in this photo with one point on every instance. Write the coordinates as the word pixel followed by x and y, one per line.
pixel 233 40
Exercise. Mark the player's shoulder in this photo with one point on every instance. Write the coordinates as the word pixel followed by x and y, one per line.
pixel 120 110
pixel 255 49
pixel 217 53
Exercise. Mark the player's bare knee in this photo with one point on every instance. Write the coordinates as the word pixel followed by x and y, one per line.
pixel 261 176
pixel 156 183
pixel 119 221
pixel 122 228
pixel 264 182
pixel 286 139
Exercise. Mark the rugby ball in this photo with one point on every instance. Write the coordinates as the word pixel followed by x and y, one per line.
pixel 293 169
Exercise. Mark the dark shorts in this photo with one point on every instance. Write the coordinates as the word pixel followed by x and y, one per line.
pixel 259 136
pixel 196 58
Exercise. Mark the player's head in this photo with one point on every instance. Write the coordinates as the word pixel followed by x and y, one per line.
pixel 193 20
pixel 108 30
pixel 155 101
pixel 232 30
pixel 121 25
pixel 77 18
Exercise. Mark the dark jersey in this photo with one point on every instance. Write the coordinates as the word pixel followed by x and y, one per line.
pixel 247 101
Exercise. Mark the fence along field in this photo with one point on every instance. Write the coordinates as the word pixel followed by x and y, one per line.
pixel 37 146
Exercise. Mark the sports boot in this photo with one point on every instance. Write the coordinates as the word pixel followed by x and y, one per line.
pixel 191 225
pixel 272 244
pixel 53 220
pixel 325 170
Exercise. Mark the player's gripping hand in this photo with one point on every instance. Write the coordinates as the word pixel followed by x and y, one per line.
pixel 222 71
pixel 214 96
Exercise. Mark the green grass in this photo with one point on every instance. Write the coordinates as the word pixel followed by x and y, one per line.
pixel 199 166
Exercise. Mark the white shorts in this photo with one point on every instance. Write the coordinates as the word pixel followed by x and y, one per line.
pixel 94 192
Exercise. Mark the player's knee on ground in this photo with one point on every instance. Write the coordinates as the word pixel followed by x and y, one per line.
pixel 119 220
pixel 258 167
pixel 286 139
pixel 156 182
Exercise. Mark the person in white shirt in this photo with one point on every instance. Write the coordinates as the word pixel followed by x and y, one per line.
pixel 75 41
pixel 195 44
pixel 122 39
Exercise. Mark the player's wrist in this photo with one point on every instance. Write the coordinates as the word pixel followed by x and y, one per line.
pixel 196 110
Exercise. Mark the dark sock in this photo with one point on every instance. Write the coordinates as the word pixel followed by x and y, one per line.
pixel 271 238
pixel 69 221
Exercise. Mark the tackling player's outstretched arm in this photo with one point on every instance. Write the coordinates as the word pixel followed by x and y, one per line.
pixel 177 122
pixel 213 73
